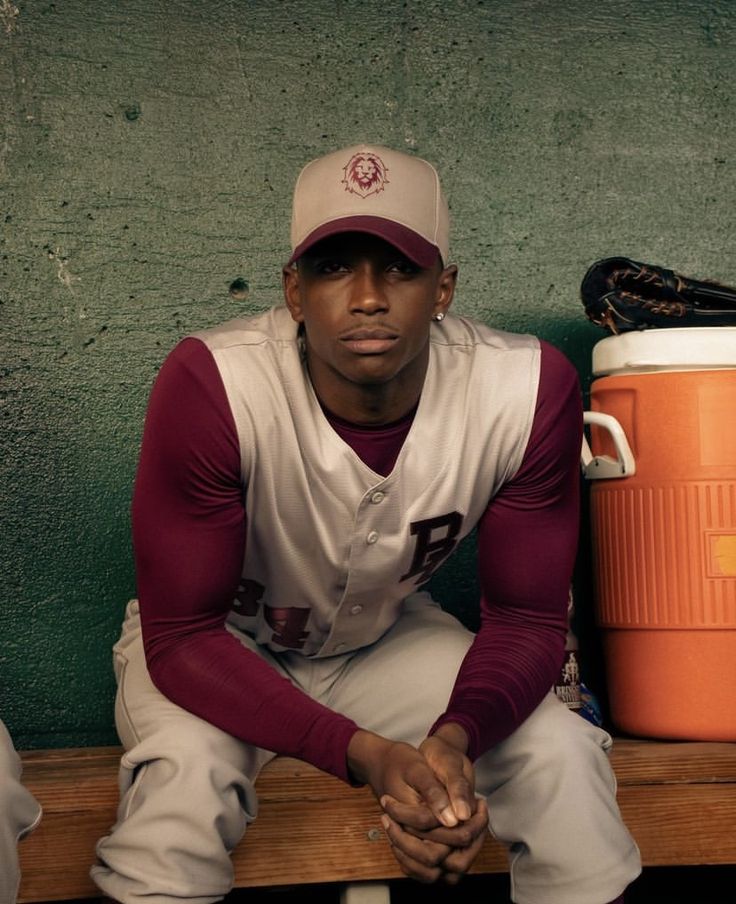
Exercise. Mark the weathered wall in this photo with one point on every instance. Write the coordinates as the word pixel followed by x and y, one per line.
pixel 147 155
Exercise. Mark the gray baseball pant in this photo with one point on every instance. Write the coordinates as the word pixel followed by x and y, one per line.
pixel 19 814
pixel 187 788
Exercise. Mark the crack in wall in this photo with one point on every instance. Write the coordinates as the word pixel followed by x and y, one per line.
pixel 63 274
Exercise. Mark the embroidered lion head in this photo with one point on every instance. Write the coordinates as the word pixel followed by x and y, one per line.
pixel 365 174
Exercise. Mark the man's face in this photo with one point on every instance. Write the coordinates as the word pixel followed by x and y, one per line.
pixel 367 311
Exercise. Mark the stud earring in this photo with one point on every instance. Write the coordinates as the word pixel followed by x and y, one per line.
pixel 439 317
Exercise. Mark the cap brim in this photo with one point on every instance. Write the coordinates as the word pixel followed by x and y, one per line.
pixel 409 243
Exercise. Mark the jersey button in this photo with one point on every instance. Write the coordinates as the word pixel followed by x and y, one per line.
pixel 356 609
pixel 372 537
pixel 377 497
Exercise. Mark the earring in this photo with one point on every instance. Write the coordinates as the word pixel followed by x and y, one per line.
pixel 439 317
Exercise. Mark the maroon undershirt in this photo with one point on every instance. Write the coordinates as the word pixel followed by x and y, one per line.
pixel 189 534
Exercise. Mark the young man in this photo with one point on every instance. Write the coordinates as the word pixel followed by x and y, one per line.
pixel 302 474
pixel 20 813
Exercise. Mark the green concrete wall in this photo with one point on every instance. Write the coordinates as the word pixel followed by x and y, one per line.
pixel 147 155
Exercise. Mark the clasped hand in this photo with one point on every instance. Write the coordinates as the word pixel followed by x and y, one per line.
pixel 433 820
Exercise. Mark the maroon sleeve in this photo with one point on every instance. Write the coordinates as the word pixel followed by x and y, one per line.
pixel 527 542
pixel 189 534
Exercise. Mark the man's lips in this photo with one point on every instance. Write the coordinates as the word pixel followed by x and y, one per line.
pixel 369 341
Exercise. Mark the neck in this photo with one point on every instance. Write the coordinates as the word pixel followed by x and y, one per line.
pixel 368 408
pixel 367 403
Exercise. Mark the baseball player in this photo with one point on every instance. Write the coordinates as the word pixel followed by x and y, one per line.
pixel 302 474
pixel 19 814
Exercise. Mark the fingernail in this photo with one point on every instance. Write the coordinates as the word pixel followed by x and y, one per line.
pixel 463 810
pixel 386 822
pixel 383 802
pixel 448 817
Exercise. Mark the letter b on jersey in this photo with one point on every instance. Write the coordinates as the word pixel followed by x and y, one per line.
pixel 435 540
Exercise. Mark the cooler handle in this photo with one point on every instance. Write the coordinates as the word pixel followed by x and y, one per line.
pixel 603 466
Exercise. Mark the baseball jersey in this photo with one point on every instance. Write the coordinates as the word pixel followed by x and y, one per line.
pixel 333 548
pixel 190 526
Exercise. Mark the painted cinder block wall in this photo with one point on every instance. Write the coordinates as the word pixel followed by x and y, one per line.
pixel 147 155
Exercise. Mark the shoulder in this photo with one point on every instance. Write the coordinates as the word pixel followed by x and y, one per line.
pixel 272 326
pixel 493 364
pixel 558 378
pixel 189 368
pixel 556 367
pixel 188 389
pixel 456 331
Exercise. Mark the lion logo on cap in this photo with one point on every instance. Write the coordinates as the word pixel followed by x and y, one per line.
pixel 365 174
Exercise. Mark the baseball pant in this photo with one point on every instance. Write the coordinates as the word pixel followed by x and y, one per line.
pixel 19 814
pixel 187 788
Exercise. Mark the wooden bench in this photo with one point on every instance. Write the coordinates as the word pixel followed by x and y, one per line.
pixel 678 799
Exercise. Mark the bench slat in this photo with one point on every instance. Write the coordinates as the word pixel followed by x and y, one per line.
pixel 642 762
pixel 680 825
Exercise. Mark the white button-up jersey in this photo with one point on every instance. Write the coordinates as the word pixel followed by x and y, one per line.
pixel 333 547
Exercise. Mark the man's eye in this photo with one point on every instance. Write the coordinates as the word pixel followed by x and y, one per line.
pixel 403 266
pixel 330 266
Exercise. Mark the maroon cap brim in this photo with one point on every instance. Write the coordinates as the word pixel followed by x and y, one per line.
pixel 409 243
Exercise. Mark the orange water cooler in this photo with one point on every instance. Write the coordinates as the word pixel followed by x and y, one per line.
pixel 662 465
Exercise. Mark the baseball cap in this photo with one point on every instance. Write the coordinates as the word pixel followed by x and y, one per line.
pixel 373 189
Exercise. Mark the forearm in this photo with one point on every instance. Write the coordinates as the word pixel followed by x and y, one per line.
pixel 185 598
pixel 503 679
pixel 212 675
pixel 516 655
pixel 199 665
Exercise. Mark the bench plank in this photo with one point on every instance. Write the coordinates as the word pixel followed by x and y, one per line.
pixel 678 799
pixel 680 825
pixel 642 762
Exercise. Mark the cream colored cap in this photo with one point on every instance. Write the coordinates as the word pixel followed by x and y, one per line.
pixel 373 189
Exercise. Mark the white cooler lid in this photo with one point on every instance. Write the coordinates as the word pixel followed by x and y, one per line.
pixel 680 348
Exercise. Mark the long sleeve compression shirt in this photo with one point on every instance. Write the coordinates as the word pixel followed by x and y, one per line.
pixel 189 532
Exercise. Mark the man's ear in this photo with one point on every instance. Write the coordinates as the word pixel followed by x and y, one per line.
pixel 292 295
pixel 445 289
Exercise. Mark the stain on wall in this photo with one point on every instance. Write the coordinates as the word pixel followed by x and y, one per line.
pixel 147 155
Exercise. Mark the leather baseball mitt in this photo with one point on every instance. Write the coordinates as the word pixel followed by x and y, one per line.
pixel 621 295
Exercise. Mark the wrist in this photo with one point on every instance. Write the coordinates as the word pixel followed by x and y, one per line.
pixel 365 750
pixel 453 734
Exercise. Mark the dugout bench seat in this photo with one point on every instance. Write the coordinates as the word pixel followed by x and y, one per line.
pixel 678 799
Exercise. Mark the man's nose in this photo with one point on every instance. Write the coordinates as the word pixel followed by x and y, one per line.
pixel 367 291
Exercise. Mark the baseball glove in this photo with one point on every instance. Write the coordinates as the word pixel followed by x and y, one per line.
pixel 621 295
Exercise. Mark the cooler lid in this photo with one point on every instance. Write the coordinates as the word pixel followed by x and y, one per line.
pixel 680 348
